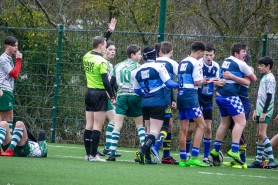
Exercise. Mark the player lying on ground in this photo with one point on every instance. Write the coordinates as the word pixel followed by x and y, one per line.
pixel 18 143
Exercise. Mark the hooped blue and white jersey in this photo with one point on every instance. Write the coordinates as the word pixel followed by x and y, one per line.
pixel 205 92
pixel 189 71
pixel 150 77
pixel 238 68
pixel 170 65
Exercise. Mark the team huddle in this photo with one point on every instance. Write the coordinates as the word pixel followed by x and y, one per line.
pixel 147 93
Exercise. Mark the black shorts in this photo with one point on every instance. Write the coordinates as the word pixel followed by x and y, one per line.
pixel 154 112
pixel 207 115
pixel 96 100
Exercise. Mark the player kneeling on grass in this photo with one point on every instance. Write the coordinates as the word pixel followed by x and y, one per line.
pixel 18 143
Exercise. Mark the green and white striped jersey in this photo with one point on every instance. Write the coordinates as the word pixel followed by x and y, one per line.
pixel 267 86
pixel 124 72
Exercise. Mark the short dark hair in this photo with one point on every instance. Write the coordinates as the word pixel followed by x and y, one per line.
pixel 166 47
pixel 198 45
pixel 236 47
pixel 132 49
pixel 10 41
pixel 157 47
pixel 97 41
pixel 266 61
pixel 109 43
pixel 210 47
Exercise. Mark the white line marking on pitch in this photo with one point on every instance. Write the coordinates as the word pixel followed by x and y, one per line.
pixel 251 176
pixel 75 157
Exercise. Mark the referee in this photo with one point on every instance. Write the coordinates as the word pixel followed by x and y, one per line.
pixel 96 98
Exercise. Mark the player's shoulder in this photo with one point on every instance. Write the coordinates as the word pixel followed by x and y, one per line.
pixel 214 63
pixel 270 76
pixel 191 60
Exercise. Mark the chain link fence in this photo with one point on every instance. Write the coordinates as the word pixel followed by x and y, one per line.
pixel 50 91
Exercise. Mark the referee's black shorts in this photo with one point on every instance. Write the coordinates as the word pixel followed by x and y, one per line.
pixel 96 100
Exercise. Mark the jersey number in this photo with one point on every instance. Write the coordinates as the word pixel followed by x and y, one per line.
pixel 125 76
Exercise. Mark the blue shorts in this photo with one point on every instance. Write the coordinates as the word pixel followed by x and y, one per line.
pixel 229 106
pixel 247 108
pixel 190 113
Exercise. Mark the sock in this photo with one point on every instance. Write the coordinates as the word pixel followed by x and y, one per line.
pixel 114 142
pixel 109 130
pixel 242 151
pixel 268 149
pixel 88 141
pixel 235 147
pixel 264 155
pixel 3 132
pixel 150 140
pixel 183 155
pixel 10 123
pixel 188 145
pixel 17 136
pixel 95 143
pixel 207 142
pixel 260 151
pixel 141 134
pixel 166 145
pixel 160 140
pixel 217 145
pixel 195 151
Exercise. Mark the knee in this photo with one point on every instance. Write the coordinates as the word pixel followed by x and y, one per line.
pixel 4 124
pixel 19 124
pixel 261 136
pixel 208 130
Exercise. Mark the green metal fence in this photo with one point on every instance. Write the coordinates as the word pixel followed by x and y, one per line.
pixel 49 93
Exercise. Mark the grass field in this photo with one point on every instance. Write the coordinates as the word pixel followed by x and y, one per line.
pixel 65 165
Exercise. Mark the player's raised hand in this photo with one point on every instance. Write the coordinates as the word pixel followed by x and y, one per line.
pixel 112 24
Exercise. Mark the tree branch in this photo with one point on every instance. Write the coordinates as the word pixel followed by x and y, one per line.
pixel 30 12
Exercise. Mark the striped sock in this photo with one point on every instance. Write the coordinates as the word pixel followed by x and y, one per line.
pixel 217 145
pixel 109 130
pixel 195 151
pixel 235 147
pixel 207 142
pixel 17 136
pixel 268 149
pixel 141 134
pixel 260 151
pixel 166 145
pixel 3 132
pixel 188 145
pixel 114 142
